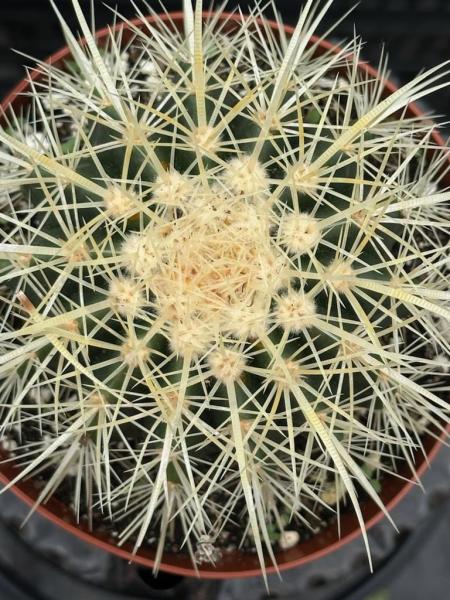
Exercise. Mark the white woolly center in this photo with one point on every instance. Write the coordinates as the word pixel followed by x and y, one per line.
pixel 261 118
pixel 189 336
pixel 305 179
pixel 139 255
pixel 205 139
pixel 341 276
pixel 246 321
pixel 125 296
pixel 119 203
pixel 247 177
pixel 289 379
pixel 295 311
pixel 75 250
pixel 299 232
pixel 96 400
pixel 214 267
pixel 134 351
pixel 172 189
pixel 226 365
pixel 218 265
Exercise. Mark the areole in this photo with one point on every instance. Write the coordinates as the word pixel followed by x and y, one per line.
pixel 234 564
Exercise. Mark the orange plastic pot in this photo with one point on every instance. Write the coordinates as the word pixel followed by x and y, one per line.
pixel 236 563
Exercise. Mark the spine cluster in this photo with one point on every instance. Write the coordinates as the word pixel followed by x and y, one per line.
pixel 225 301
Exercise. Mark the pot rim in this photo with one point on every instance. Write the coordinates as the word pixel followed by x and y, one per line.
pixel 56 512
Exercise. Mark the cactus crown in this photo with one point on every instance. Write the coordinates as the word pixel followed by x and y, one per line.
pixel 225 285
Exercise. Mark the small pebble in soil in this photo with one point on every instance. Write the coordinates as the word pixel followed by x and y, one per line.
pixel 288 539
pixel 206 552
pixel 8 444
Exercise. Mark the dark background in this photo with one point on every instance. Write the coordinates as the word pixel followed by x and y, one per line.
pixel 416 33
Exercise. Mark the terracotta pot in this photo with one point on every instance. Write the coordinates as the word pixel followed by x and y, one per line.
pixel 234 564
